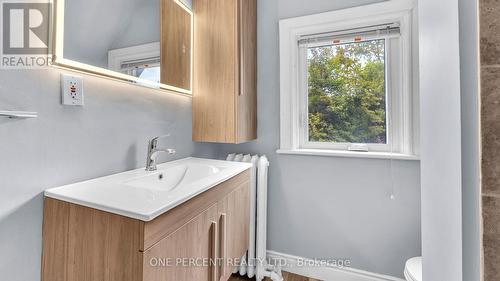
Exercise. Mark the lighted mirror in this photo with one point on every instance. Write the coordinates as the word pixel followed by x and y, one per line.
pixel 146 42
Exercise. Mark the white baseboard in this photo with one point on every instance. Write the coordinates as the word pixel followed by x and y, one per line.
pixel 326 272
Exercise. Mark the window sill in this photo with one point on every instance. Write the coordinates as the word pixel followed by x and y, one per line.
pixel 349 154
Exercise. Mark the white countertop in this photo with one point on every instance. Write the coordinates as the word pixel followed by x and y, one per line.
pixel 130 193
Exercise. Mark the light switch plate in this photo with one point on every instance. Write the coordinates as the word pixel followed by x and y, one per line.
pixel 72 90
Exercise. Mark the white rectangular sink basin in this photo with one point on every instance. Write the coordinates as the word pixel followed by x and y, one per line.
pixel 170 178
pixel 145 195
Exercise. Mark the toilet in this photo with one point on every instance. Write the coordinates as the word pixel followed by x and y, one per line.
pixel 413 269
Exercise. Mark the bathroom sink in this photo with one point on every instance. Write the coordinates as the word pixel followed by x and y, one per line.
pixel 145 195
pixel 171 178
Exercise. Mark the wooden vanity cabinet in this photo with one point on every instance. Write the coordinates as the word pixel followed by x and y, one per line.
pixel 84 244
pixel 225 71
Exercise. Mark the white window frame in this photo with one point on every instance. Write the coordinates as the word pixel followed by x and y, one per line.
pixel 401 120
pixel 117 56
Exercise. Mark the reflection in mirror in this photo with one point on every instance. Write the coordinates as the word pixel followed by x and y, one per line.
pixel 146 39
pixel 176 43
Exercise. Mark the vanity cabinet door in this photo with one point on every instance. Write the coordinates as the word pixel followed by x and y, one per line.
pixel 234 223
pixel 185 254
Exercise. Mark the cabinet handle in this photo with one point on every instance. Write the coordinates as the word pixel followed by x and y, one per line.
pixel 223 242
pixel 213 251
pixel 240 48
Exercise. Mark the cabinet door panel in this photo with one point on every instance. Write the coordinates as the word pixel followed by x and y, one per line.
pixel 233 228
pixel 175 24
pixel 85 244
pixel 246 113
pixel 215 70
pixel 182 255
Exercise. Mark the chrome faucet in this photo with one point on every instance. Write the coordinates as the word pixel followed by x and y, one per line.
pixel 153 153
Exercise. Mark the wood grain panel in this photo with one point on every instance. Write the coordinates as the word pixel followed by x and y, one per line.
pixel 55 240
pixel 234 215
pixel 191 241
pixel 215 58
pixel 246 114
pixel 175 41
pixel 225 71
pixel 85 244
pixel 167 223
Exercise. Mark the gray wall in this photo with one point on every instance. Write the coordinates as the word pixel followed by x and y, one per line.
pixel 319 207
pixel 143 27
pixel 441 150
pixel 105 25
pixel 327 207
pixel 470 140
pixel 69 144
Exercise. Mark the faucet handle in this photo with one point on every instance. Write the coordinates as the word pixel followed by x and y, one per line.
pixel 160 137
pixel 153 143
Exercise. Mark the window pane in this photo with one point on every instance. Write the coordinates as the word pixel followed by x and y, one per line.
pixel 347 97
pixel 151 74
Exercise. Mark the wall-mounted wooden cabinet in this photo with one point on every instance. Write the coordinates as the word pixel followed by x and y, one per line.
pixel 225 71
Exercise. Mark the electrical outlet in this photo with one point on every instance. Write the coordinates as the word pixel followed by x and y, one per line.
pixel 71 89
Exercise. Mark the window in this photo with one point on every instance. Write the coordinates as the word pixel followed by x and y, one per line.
pixel 346 92
pixel 141 61
pixel 346 85
pixel 146 68
pixel 347 89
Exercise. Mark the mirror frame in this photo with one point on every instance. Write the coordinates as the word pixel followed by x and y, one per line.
pixel 58 59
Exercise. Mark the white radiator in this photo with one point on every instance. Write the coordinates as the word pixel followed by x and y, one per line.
pixel 254 263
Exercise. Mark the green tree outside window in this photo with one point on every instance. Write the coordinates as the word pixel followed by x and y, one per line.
pixel 347 99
